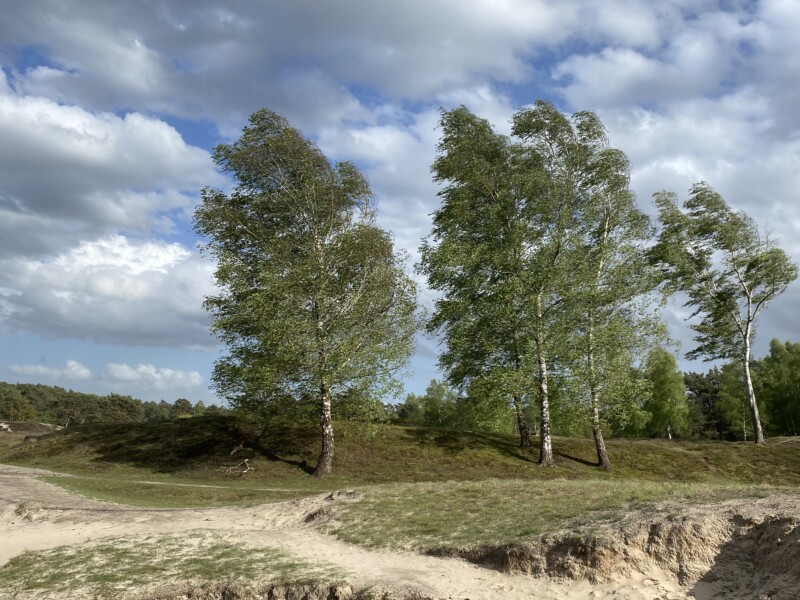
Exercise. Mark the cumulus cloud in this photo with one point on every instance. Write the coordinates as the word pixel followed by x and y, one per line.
pixel 73 371
pixel 700 58
pixel 67 174
pixel 157 378
pixel 689 89
pixel 174 56
pixel 114 290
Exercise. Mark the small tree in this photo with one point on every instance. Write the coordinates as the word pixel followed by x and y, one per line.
pixel 438 404
pixel 729 270
pixel 314 299
pixel 733 401
pixel 182 408
pixel 669 411
pixel 410 409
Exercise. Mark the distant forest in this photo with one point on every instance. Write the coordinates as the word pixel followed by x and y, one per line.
pixel 56 405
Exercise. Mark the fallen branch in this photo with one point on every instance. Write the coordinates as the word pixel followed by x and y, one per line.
pixel 237 470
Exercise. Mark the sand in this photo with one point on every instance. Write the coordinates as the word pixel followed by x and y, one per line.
pixel 694 557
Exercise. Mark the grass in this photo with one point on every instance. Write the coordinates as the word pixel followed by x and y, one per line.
pixel 187 493
pixel 429 489
pixel 108 569
pixel 192 450
pixel 442 517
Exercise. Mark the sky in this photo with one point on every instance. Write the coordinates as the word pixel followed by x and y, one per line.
pixel 109 111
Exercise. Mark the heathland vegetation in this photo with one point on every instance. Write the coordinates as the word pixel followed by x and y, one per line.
pixel 431 489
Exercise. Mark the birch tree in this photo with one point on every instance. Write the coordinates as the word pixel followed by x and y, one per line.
pixel 730 271
pixel 498 253
pixel 313 301
pixel 610 274
pixel 474 257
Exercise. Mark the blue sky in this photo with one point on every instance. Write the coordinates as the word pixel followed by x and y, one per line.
pixel 109 111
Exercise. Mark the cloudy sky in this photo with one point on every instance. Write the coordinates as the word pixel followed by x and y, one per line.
pixel 109 110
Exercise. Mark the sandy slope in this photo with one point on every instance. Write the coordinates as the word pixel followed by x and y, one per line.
pixel 35 515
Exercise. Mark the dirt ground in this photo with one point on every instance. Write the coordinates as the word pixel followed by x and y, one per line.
pixel 732 550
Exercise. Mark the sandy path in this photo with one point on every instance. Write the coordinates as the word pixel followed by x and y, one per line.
pixel 35 515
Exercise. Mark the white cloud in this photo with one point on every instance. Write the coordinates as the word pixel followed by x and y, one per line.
pixel 68 174
pixel 195 59
pixel 115 290
pixel 73 371
pixel 149 376
pixel 690 89
pixel 699 59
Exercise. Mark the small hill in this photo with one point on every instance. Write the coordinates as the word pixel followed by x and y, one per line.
pixel 199 446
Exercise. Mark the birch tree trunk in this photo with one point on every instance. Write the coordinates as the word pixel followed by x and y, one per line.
pixel 751 394
pixel 602 454
pixel 545 436
pixel 325 462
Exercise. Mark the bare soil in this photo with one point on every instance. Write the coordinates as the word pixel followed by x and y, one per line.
pixel 734 550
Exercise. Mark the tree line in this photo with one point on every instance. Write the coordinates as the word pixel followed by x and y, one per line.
pixel 712 405
pixel 548 274
pixel 59 406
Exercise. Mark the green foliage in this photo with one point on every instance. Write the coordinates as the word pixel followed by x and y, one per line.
pixel 314 300
pixel 669 411
pixel 702 391
pixel 410 410
pixel 182 408
pixel 719 404
pixel 537 249
pixel 733 402
pixel 52 404
pixel 438 405
pixel 484 408
pixel 780 375
pixel 354 405
pixel 727 267
pixel 475 256
pixel 436 408
pixel 14 405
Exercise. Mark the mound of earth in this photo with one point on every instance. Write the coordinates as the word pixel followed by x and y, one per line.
pixel 733 550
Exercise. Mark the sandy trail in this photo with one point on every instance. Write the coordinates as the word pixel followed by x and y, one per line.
pixel 35 515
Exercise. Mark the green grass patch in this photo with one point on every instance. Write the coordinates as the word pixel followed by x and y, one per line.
pixel 115 461
pixel 174 494
pixel 110 568
pixel 490 513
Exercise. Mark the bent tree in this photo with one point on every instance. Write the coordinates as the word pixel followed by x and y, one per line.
pixel 729 270
pixel 314 301
pixel 478 256
pixel 602 254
